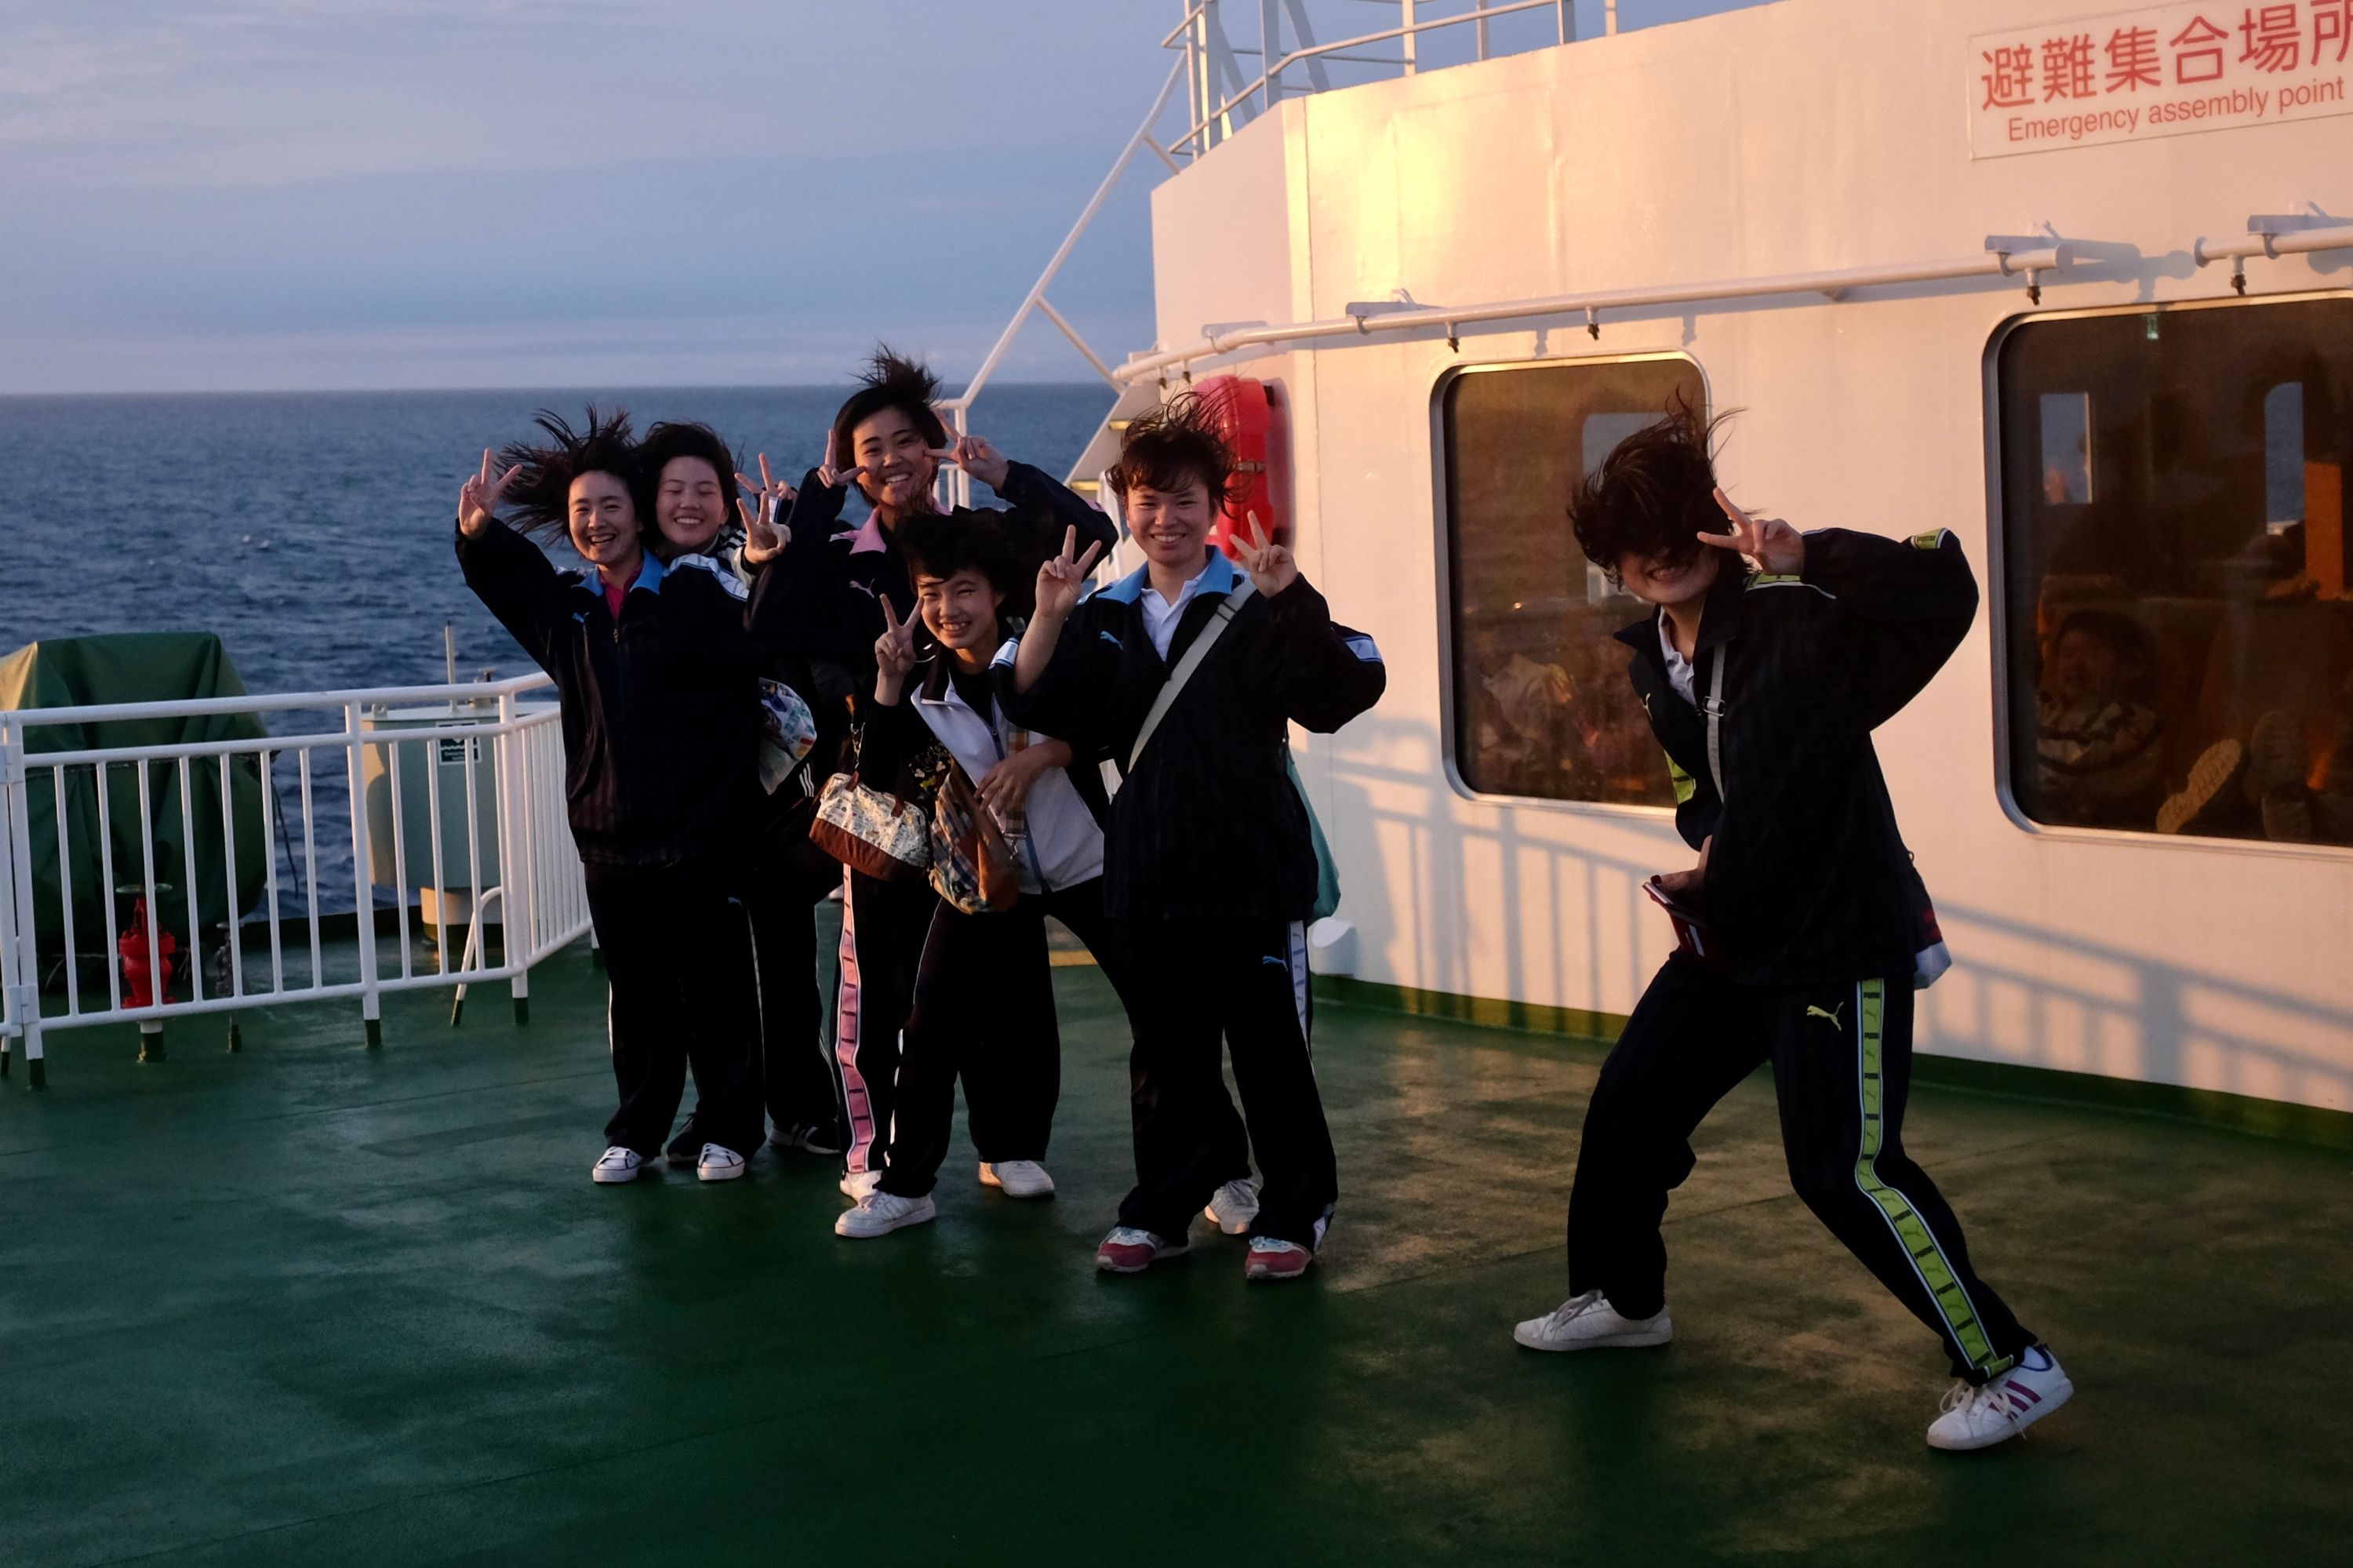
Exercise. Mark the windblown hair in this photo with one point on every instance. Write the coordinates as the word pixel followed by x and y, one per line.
pixel 940 545
pixel 1173 445
pixel 891 380
pixel 1653 495
pixel 541 494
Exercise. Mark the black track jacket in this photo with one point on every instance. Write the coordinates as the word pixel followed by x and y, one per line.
pixel 1808 880
pixel 1210 823
pixel 838 577
pixel 661 706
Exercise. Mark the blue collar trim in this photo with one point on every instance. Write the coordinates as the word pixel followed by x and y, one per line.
pixel 1219 576
pixel 650 573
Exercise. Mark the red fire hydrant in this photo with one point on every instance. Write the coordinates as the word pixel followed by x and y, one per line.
pixel 139 979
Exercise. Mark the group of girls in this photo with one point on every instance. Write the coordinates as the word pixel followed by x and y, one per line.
pixel 909 647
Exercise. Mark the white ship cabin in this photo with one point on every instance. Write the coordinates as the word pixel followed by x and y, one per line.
pixel 2071 285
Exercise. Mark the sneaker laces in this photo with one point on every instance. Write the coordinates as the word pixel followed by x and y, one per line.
pixel 1128 1235
pixel 1968 1397
pixel 1269 1243
pixel 726 1155
pixel 1576 1307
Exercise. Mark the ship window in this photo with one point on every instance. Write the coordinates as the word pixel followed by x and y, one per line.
pixel 1542 704
pixel 2178 633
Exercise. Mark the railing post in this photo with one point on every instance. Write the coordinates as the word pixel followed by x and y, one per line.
pixel 1610 16
pixel 1270 49
pixel 1480 26
pixel 20 924
pixel 1567 18
pixel 518 868
pixel 362 876
pixel 1409 41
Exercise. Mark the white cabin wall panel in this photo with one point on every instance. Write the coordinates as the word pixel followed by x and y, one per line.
pixel 1813 133
pixel 1221 247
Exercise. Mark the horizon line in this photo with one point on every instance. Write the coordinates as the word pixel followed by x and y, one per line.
pixel 602 388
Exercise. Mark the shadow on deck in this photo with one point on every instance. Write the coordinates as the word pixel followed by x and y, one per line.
pixel 311 1304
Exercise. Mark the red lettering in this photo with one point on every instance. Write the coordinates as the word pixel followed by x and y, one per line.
pixel 2201 59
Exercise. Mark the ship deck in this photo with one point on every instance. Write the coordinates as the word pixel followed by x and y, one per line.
pixel 315 1304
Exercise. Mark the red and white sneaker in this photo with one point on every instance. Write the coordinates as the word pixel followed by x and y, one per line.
pixel 1272 1259
pixel 2003 1407
pixel 1131 1251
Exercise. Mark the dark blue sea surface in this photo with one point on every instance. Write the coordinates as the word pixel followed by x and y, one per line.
pixel 313 532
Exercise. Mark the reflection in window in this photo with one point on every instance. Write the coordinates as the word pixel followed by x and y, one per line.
pixel 2284 453
pixel 1542 704
pixel 2180 638
pixel 2066 448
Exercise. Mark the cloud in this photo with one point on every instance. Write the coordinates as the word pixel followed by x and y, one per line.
pixel 282 193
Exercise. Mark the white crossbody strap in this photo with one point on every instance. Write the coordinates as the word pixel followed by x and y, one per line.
pixel 1713 707
pixel 1187 665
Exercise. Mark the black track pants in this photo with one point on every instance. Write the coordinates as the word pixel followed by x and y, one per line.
pixel 678 957
pixel 1842 1056
pixel 1190 982
pixel 883 925
pixel 985 1012
pixel 797 1073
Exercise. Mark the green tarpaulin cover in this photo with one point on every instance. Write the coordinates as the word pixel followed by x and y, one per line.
pixel 136 667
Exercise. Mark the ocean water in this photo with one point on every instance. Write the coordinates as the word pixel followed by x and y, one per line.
pixel 313 532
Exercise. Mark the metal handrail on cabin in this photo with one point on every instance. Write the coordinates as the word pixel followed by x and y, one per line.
pixel 539 887
pixel 1202 38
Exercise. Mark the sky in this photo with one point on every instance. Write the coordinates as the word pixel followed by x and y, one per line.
pixel 291 195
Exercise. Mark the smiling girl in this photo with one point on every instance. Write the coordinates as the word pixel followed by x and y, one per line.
pixel 888 443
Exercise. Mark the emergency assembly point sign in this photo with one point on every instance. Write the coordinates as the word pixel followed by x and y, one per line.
pixel 2159 70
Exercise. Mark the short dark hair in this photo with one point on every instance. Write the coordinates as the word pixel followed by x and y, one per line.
pixel 1653 495
pixel 672 439
pixel 1169 447
pixel 940 545
pixel 541 493
pixel 891 380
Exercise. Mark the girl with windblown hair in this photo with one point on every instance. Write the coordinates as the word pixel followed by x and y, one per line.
pixel 658 670
pixel 888 443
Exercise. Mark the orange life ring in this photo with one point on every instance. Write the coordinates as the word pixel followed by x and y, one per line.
pixel 1251 416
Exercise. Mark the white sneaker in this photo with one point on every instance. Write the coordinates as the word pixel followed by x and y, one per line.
pixel 879 1213
pixel 1234 1207
pixel 857 1184
pixel 1018 1177
pixel 617 1164
pixel 719 1163
pixel 2004 1407
pixel 1588 1322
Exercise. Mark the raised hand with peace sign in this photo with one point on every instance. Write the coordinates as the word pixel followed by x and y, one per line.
pixel 834 478
pixel 1059 582
pixel 1271 567
pixel 894 655
pixel 1062 577
pixel 977 457
pixel 763 537
pixel 1772 545
pixel 478 498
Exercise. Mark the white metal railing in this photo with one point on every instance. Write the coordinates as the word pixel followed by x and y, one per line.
pixel 535 883
pixel 1219 99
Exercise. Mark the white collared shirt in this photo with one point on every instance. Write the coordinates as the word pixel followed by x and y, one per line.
pixel 1160 617
pixel 1679 669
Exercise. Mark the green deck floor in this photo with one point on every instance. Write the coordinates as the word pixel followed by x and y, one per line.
pixel 314 1305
